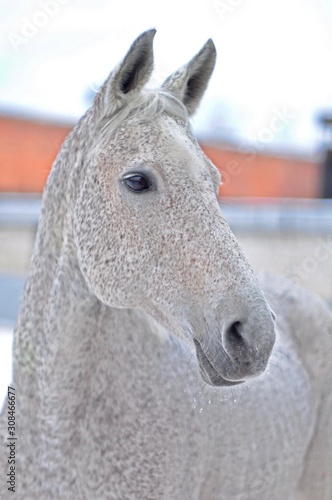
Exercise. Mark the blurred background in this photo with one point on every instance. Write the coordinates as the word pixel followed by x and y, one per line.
pixel 265 121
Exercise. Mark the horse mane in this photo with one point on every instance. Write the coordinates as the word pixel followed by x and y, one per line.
pixel 145 105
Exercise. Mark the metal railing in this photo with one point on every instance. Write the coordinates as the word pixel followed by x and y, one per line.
pixel 243 214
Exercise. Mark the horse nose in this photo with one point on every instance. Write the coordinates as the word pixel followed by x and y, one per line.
pixel 248 342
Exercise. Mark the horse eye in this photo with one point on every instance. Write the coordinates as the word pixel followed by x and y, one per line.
pixel 137 182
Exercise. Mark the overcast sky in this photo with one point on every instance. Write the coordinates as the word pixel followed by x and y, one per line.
pixel 273 74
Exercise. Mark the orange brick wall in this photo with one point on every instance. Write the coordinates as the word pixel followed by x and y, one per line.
pixel 28 149
pixel 262 175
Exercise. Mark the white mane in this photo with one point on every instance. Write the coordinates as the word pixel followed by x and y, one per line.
pixel 145 105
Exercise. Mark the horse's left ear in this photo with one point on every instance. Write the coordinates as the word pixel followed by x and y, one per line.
pixel 131 74
pixel 190 81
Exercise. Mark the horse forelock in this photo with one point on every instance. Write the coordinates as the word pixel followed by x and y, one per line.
pixel 144 106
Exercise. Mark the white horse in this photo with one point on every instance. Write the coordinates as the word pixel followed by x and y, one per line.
pixel 142 327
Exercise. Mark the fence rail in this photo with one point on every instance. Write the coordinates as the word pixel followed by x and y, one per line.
pixel 243 214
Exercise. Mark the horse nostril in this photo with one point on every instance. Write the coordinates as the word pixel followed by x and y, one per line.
pixel 234 331
pixel 233 339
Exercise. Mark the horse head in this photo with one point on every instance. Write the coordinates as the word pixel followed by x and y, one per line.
pixel 148 226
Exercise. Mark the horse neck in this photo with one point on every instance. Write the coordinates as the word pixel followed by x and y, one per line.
pixel 36 326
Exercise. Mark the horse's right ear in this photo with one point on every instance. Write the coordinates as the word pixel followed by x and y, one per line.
pixel 129 76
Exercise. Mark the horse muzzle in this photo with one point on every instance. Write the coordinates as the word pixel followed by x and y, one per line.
pixel 237 354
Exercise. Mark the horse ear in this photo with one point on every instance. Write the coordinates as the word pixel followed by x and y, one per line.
pixel 131 74
pixel 190 81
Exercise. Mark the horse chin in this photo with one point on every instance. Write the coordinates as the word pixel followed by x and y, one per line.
pixel 207 371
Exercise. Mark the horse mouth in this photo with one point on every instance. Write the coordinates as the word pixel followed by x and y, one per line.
pixel 208 372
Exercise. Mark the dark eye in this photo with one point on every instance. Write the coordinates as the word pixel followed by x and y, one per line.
pixel 137 182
